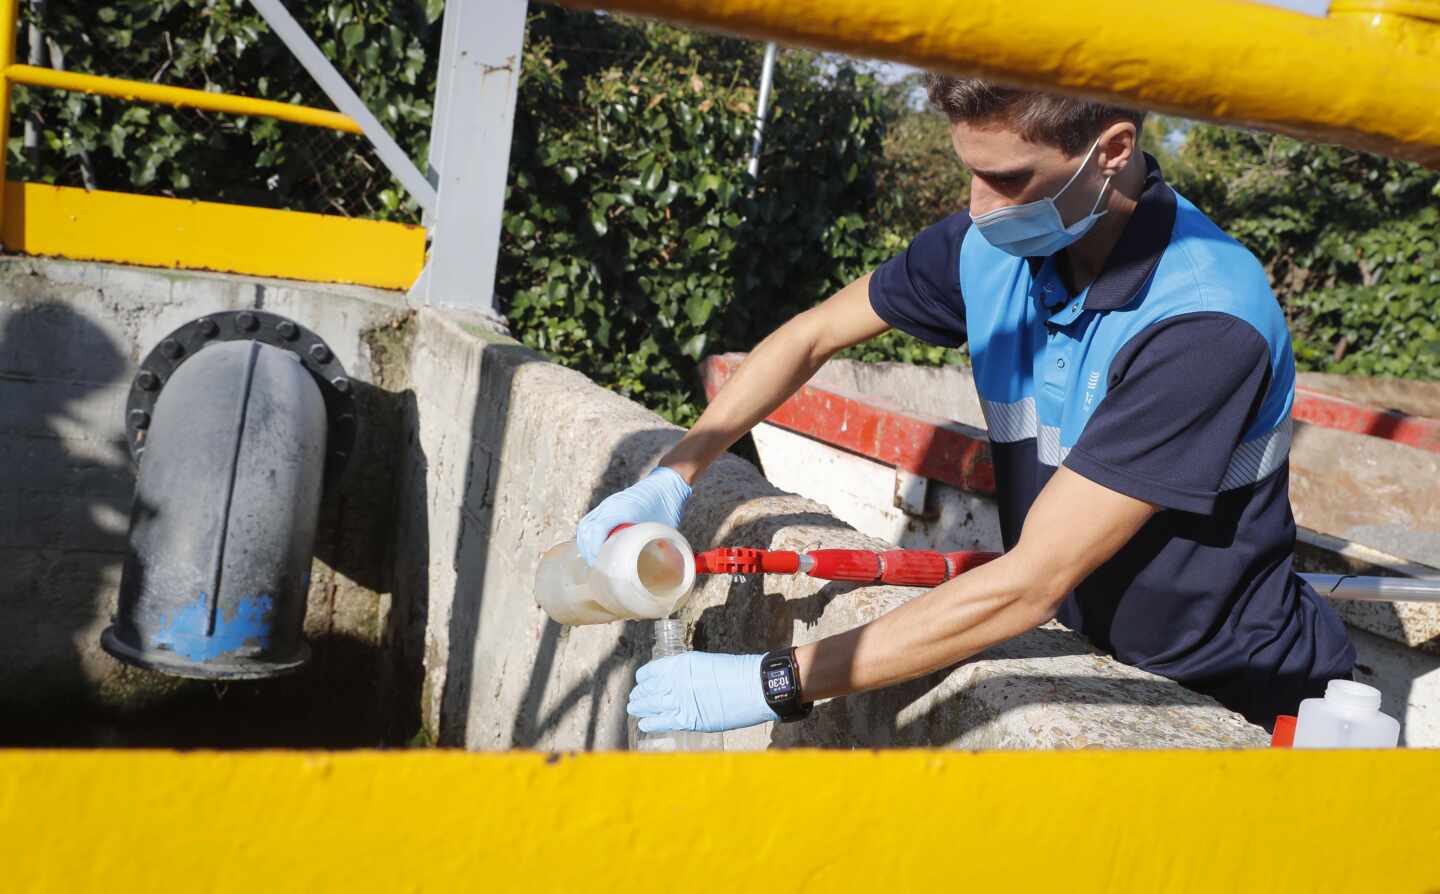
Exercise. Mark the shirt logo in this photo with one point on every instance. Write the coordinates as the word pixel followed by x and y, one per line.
pixel 1090 385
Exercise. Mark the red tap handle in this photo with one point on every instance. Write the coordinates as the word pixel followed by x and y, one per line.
pixel 743 560
pixel 905 567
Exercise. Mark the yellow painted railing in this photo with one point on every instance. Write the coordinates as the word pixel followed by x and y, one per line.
pixel 1078 821
pixel 1225 60
pixel 159 231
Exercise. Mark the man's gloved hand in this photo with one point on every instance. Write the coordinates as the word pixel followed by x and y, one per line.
pixel 658 497
pixel 701 692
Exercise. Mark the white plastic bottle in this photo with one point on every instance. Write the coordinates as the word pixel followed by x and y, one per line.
pixel 669 640
pixel 642 571
pixel 1347 717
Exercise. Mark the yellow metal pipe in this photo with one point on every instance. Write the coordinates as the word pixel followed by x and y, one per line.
pixel 1412 24
pixel 1078 821
pixel 1225 60
pixel 182 97
pixel 9 22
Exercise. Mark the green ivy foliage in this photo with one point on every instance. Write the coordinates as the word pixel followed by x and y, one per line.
pixel 386 49
pixel 634 241
pixel 1349 240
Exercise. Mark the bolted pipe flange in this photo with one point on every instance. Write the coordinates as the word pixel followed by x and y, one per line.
pixel 254 325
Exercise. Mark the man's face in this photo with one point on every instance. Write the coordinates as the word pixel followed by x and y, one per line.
pixel 1009 170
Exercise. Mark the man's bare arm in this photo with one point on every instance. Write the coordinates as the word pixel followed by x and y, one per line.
pixel 1074 526
pixel 775 370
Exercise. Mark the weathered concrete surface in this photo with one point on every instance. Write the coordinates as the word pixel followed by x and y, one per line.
pixel 1368 490
pixel 1405 395
pixel 516 450
pixel 71 336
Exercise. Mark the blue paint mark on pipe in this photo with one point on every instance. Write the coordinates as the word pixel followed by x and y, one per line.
pixel 248 624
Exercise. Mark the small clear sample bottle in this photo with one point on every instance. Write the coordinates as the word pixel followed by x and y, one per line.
pixel 670 640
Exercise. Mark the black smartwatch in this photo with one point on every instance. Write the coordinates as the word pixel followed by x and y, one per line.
pixel 780 681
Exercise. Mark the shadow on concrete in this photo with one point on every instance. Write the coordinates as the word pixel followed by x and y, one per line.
pixel 65 490
pixel 629 460
pixel 59 480
pixel 499 364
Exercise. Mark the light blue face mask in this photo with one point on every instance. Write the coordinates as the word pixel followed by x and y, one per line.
pixel 1035 229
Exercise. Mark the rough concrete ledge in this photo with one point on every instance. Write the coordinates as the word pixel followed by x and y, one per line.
pixel 517 449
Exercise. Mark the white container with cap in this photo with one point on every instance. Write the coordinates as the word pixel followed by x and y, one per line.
pixel 1348 716
pixel 642 571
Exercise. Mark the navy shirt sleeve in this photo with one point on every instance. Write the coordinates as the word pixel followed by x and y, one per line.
pixel 1181 395
pixel 918 292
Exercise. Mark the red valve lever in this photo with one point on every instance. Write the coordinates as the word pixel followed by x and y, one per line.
pixel 903 567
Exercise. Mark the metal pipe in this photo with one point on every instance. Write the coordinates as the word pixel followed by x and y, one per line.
pixel 181 97
pixel 9 24
pixel 762 107
pixel 1242 63
pixel 347 101
pixel 1375 589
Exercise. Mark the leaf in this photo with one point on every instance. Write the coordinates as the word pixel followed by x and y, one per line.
pixel 352 35
pixel 694 346
pixel 698 310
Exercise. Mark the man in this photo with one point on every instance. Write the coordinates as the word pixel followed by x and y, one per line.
pixel 1136 377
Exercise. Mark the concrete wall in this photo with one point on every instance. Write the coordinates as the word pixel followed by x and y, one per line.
pixel 517 449
pixel 71 337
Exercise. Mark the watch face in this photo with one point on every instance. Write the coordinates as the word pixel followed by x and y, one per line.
pixel 778 684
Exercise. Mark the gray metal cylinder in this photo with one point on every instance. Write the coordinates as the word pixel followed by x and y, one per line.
pixel 223 525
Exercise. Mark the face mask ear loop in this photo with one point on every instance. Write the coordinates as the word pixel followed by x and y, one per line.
pixel 1104 186
pixel 1075 175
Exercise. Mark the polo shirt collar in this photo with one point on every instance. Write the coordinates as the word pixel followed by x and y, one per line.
pixel 1134 258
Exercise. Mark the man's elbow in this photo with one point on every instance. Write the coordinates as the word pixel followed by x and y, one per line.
pixel 1040 589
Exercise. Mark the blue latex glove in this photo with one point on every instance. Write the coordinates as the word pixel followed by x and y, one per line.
pixel 658 497
pixel 701 692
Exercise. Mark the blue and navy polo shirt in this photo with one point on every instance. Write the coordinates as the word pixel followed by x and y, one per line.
pixel 1170 379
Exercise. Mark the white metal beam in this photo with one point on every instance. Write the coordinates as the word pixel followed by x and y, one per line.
pixel 347 100
pixel 470 151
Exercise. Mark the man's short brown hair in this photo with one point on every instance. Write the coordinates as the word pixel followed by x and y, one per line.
pixel 1070 125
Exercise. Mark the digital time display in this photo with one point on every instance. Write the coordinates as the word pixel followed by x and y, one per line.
pixel 777 682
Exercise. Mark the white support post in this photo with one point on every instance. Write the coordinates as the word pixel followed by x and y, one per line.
pixel 347 101
pixel 762 107
pixel 470 151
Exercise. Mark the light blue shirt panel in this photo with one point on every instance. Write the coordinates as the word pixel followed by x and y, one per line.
pixel 1066 367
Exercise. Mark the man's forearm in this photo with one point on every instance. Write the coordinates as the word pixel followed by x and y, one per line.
pixel 960 618
pixel 1072 528
pixel 773 371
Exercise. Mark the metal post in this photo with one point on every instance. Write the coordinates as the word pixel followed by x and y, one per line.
pixel 470 151
pixel 35 41
pixel 9 23
pixel 346 100
pixel 762 107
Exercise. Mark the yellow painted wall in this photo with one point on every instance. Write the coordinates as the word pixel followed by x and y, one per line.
pixel 156 231
pixel 1277 821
